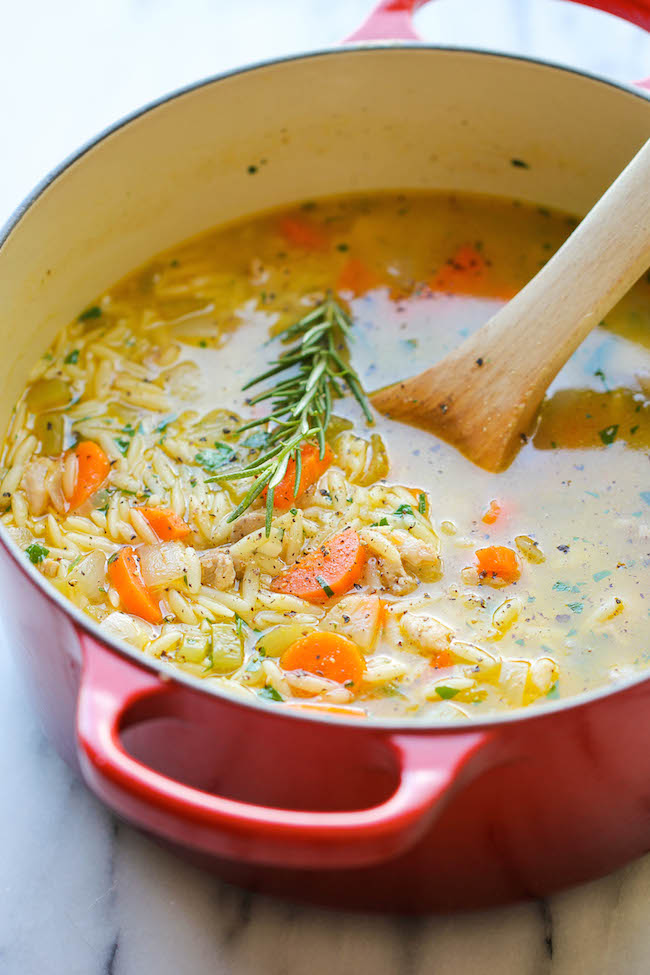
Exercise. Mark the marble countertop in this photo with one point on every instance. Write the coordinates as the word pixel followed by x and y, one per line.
pixel 81 894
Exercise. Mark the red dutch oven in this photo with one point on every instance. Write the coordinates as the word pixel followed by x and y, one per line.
pixel 401 816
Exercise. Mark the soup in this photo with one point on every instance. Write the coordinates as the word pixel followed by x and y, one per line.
pixel 378 573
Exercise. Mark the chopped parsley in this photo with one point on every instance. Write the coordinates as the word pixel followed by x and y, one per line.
pixel 608 435
pixel 575 607
pixel 404 509
pixel 93 312
pixel 597 576
pixel 122 445
pixel 554 692
pixel 36 553
pixel 323 584
pixel 445 692
pixel 270 694
pixel 213 458
pixel 257 440
pixel 162 426
pixel 72 358
pixel 422 504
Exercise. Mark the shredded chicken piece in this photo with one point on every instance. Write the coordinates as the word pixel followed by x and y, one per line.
pixel 217 568
pixel 423 558
pixel 246 524
pixel 426 632
pixel 42 483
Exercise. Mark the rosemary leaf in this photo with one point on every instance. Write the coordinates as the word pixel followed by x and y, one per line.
pixel 301 403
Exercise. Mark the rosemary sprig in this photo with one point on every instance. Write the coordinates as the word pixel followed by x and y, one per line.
pixel 301 403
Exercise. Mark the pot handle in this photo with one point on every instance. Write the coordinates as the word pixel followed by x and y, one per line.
pixel 111 685
pixel 393 19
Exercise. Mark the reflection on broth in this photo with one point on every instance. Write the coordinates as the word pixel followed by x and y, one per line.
pixel 396 579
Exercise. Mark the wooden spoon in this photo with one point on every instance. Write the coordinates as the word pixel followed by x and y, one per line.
pixel 484 396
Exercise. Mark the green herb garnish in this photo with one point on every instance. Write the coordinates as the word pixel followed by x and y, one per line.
pixel 270 694
pixel 323 584
pixel 72 358
pixel 446 692
pixel 89 313
pixel 122 445
pixel 215 457
pixel 405 509
pixel 162 426
pixel 301 404
pixel 608 435
pixel 36 553
pixel 257 440
pixel 422 504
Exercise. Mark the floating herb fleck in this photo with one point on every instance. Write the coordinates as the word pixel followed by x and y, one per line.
pixel 608 435
pixel 270 694
pixel 301 403
pixel 36 553
pixel 213 458
pixel 422 504
pixel 72 358
pixel 323 584
pixel 598 576
pixel 405 509
pixel 89 313
pixel 446 692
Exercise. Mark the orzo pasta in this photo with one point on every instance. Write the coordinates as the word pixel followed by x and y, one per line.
pixel 393 578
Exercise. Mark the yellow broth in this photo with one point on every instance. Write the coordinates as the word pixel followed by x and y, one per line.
pixel 580 488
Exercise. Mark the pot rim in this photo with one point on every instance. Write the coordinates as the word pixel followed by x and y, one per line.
pixel 167 671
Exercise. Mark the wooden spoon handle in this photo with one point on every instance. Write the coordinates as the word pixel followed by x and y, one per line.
pixel 584 279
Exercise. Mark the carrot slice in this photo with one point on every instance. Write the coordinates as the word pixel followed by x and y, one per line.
pixel 492 513
pixel 311 468
pixel 357 277
pixel 499 562
pixel 93 467
pixel 331 570
pixel 166 523
pixel 442 659
pixel 468 273
pixel 337 709
pixel 124 573
pixel 300 232
pixel 327 655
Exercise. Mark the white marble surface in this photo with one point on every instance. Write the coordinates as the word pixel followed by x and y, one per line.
pixel 79 894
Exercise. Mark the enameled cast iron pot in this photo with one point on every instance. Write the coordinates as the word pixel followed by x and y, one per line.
pixel 383 815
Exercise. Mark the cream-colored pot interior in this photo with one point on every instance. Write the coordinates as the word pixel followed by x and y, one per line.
pixel 347 120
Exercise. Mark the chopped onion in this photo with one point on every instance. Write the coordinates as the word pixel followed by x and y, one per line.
pixel 129 628
pixel 163 565
pixel 89 576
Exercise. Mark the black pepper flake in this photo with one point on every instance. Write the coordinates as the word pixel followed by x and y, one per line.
pixel 251 169
pixel 563 548
pixel 519 164
pixel 479 361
